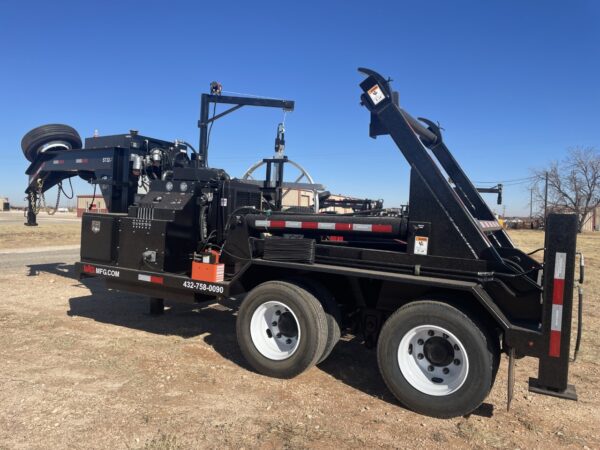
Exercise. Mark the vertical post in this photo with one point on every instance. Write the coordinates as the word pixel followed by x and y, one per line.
pixel 31 216
pixel 203 125
pixel 531 204
pixel 559 273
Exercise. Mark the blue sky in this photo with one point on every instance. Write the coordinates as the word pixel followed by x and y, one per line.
pixel 514 83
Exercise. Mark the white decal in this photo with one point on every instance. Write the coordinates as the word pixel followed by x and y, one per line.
pixel 421 244
pixel 376 94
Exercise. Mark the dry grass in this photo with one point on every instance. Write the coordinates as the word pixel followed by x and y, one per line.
pixel 13 236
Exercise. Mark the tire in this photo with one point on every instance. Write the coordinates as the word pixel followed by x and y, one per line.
pixel 298 339
pixel 407 351
pixel 36 138
pixel 332 311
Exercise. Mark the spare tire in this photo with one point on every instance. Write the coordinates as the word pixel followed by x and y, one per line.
pixel 53 136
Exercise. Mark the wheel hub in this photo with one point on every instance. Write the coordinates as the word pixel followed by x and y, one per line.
pixel 287 325
pixel 275 330
pixel 438 351
pixel 433 360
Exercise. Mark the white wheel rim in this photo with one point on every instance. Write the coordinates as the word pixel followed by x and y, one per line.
pixel 55 145
pixel 427 364
pixel 275 330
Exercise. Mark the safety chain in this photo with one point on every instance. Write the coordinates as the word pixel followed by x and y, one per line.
pixel 41 200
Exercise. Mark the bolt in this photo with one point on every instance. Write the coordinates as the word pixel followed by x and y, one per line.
pixel 420 342
pixel 420 356
pixel 288 341
pixel 444 335
pixel 430 333
pixel 457 362
pixel 446 371
pixel 430 368
pixel 277 313
pixel 274 323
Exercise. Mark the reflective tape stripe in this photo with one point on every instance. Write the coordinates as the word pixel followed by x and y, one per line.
pixel 326 226
pixel 559 265
pixel 382 228
pixel 554 349
pixel 556 322
pixel 343 227
pixel 558 292
pixel 489 224
pixel 150 278
pixel 362 227
pixel 310 225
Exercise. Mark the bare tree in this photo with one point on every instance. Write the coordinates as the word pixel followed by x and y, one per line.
pixel 573 184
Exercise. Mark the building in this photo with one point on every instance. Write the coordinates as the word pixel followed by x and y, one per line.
pixel 4 204
pixel 90 203
pixel 593 221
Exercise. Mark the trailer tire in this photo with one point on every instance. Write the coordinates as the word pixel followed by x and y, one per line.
pixel 435 359
pixel 332 311
pixel 64 136
pixel 281 329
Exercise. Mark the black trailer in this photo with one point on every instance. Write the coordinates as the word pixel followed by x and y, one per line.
pixel 437 287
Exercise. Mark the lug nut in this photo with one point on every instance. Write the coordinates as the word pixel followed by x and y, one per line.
pixel 430 368
pixel 430 333
pixel 446 371
pixel 420 356
pixel 278 313
pixel 444 335
pixel 274 323
pixel 288 341
pixel 457 362
pixel 456 347
pixel 420 342
pixel 278 335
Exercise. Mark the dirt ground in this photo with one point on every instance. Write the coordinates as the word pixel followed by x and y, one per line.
pixel 82 367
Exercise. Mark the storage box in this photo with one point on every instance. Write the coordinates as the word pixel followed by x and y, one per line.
pixel 212 273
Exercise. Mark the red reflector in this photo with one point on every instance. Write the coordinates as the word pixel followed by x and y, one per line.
pixel 157 280
pixel 89 269
pixel 558 293
pixel 382 228
pixel 343 226
pixel 554 349
pixel 277 224
pixel 310 225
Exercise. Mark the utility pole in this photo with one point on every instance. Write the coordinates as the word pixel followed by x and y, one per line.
pixel 531 203
pixel 546 199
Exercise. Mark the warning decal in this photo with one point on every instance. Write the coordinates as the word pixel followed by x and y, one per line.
pixel 421 243
pixel 376 94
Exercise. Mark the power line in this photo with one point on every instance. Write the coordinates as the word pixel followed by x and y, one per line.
pixel 516 181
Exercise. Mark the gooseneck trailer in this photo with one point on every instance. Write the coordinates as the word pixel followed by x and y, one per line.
pixel 438 287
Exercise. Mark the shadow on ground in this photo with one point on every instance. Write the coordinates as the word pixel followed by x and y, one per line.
pixel 350 362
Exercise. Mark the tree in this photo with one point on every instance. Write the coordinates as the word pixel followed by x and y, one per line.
pixel 573 184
